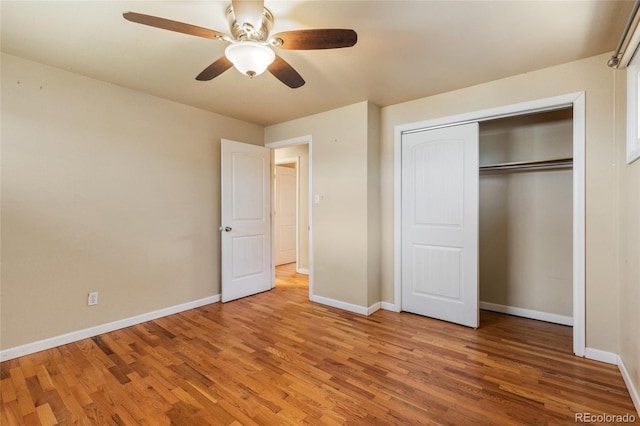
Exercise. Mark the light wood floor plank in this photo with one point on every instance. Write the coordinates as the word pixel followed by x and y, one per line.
pixel 276 358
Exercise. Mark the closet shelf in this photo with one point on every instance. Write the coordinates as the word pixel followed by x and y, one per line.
pixel 523 166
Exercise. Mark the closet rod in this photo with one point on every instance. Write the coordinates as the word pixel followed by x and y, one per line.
pixel 558 163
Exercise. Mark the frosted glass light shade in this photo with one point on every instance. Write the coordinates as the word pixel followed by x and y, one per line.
pixel 250 58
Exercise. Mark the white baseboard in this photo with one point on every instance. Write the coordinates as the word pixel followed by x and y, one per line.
pixel 64 339
pixel 633 391
pixel 527 313
pixel 602 356
pixel 340 304
pixel 390 307
pixel 375 307
pixel 302 271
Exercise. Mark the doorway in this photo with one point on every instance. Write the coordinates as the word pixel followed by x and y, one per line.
pixel 298 151
pixel 525 226
pixel 575 101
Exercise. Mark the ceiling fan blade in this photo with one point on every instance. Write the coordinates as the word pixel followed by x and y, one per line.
pixel 316 39
pixel 215 69
pixel 285 73
pixel 168 24
pixel 248 11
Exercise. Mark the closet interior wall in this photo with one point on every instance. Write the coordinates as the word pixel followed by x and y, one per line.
pixel 525 249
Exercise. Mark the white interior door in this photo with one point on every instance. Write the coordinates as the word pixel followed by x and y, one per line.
pixel 440 223
pixel 246 220
pixel 285 221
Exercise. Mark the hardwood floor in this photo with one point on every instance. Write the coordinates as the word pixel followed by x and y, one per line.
pixel 276 358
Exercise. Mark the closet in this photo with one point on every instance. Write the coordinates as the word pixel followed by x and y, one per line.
pixel 526 216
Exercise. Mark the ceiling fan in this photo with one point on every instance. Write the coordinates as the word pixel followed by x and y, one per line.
pixel 250 47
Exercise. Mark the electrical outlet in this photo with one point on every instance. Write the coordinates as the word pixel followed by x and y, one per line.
pixel 92 299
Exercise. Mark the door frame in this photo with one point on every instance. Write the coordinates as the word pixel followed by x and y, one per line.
pixel 296 161
pixel 300 140
pixel 575 100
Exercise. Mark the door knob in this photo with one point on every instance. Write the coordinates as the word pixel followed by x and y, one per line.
pixel 225 228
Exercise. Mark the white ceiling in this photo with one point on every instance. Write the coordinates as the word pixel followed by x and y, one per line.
pixel 406 49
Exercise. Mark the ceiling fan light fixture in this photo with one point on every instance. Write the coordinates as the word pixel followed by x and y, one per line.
pixel 249 57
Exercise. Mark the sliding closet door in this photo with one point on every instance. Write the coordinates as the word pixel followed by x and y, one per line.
pixel 440 223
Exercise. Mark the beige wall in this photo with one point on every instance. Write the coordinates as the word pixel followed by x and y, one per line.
pixel 590 75
pixel 301 152
pixel 628 243
pixel 342 248
pixel 103 189
pixel 526 218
